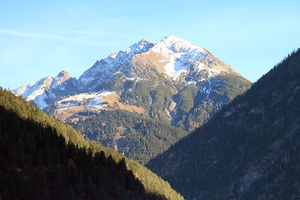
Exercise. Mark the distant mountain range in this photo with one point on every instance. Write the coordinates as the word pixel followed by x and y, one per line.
pixel 173 84
pixel 248 150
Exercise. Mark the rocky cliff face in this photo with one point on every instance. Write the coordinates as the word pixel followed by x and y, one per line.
pixel 248 150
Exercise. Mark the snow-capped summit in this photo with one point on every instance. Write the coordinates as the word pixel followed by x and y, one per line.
pixel 173 59
pixel 179 58
pixel 177 55
pixel 177 44
pixel 173 56
pixel 61 77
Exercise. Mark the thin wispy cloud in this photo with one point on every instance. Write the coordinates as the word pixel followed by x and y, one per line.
pixel 79 37
pixel 32 35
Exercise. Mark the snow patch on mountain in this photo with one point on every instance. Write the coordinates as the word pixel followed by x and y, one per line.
pixel 179 45
pixel 31 91
pixel 173 69
pixel 206 89
pixel 192 82
pixel 180 55
pixel 40 101
pixel 90 101
pixel 44 91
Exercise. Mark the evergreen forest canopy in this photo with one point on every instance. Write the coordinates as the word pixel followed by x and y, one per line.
pixel 249 150
pixel 42 158
pixel 137 137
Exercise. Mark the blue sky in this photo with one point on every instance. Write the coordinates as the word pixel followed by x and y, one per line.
pixel 41 38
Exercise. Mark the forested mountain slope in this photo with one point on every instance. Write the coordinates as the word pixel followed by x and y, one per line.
pixel 137 137
pixel 248 150
pixel 37 162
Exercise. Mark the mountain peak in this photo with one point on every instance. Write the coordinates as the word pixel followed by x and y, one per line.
pixel 177 44
pixel 144 41
pixel 63 73
pixel 140 47
pixel 61 77
pixel 173 38
pixel 174 58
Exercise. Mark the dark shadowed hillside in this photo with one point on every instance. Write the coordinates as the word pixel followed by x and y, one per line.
pixel 249 150
pixel 38 163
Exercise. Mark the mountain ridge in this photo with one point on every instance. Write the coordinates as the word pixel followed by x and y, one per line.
pixel 181 64
pixel 166 45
